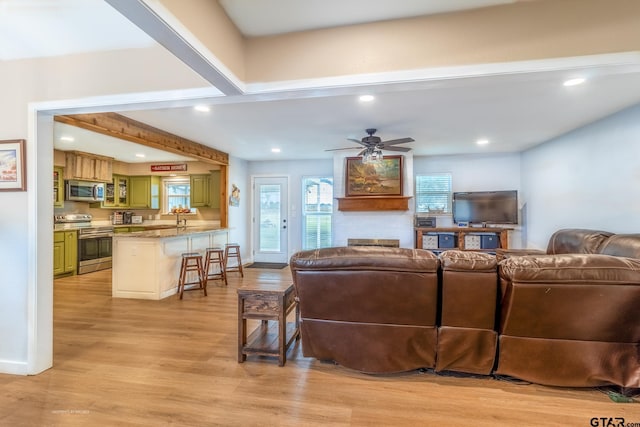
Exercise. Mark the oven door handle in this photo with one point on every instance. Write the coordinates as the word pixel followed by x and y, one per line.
pixel 94 236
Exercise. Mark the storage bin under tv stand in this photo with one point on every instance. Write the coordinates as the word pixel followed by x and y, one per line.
pixel 460 233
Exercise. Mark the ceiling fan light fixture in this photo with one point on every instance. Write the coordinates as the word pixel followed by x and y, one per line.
pixel 372 156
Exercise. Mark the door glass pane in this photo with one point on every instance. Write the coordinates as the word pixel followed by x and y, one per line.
pixel 269 217
pixel 88 249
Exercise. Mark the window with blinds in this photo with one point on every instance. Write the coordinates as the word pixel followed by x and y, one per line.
pixel 317 212
pixel 433 194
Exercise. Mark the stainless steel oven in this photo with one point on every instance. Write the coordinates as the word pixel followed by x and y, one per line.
pixel 94 249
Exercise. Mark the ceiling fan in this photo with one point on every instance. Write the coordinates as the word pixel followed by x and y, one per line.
pixel 374 145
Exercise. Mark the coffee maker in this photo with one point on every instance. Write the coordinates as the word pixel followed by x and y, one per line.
pixel 126 217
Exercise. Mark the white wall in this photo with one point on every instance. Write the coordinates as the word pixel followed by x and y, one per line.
pixel 295 170
pixel 482 172
pixel 240 216
pixel 396 225
pixel 588 178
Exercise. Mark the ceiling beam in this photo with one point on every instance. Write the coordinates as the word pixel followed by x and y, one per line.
pixel 145 18
pixel 118 126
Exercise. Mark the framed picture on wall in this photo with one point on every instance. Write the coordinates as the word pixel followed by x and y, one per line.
pixel 381 178
pixel 12 165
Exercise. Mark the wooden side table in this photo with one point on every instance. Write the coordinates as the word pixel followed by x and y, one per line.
pixel 271 303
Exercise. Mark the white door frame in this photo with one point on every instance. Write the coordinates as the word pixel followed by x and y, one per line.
pixel 284 227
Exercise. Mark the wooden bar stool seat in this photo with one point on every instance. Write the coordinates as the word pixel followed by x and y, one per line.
pixel 192 262
pixel 232 250
pixel 214 258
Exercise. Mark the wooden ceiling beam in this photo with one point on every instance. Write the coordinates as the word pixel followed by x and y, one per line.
pixel 118 126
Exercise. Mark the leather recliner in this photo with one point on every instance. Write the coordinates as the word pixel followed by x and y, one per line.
pixel 572 317
pixel 371 309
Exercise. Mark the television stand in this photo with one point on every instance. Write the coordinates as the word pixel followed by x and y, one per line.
pixel 486 239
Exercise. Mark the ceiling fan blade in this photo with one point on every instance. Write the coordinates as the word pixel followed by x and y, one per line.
pixel 348 148
pixel 357 141
pixel 397 141
pixel 403 149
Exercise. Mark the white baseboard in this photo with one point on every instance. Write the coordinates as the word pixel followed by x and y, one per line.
pixel 14 368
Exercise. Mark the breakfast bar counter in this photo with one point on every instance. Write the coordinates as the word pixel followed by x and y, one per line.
pixel 146 264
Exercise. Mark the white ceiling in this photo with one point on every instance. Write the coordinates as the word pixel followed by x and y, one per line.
pixel 513 111
pixel 63 27
pixel 261 18
pixel 444 115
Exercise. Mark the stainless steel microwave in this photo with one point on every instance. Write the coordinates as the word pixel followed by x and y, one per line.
pixel 84 191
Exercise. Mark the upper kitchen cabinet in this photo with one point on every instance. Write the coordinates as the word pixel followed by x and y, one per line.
pixel 88 167
pixel 117 192
pixel 58 187
pixel 199 189
pixel 205 190
pixel 214 201
pixel 144 192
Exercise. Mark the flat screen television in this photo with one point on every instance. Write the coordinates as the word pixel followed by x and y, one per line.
pixel 494 207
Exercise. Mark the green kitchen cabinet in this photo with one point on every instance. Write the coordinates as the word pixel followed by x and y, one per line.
pixel 200 185
pixel 205 190
pixel 58 187
pixel 214 198
pixel 117 192
pixel 65 252
pixel 144 192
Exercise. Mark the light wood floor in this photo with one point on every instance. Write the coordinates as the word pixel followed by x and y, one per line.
pixel 120 362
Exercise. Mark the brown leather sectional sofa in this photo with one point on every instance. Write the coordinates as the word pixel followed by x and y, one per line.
pixel 567 317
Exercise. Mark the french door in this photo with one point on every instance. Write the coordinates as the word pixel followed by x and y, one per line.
pixel 270 222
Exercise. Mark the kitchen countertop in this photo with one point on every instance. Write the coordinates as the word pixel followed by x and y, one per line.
pixel 147 226
pixel 171 232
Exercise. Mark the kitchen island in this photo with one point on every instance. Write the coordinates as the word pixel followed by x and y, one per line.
pixel 146 264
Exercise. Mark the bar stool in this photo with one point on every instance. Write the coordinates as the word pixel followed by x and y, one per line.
pixel 214 256
pixel 191 262
pixel 232 250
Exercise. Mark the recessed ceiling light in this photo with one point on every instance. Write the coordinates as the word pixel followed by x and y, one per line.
pixel 482 141
pixel 275 150
pixel 139 155
pixel 574 82
pixel 67 138
pixel 202 108
pixel 367 98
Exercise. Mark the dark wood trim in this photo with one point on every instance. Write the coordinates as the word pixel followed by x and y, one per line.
pixel 373 203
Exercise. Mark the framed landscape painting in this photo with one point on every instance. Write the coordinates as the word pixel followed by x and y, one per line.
pixel 382 178
pixel 12 165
